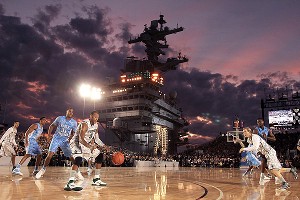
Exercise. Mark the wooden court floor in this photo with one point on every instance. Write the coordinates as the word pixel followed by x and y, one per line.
pixel 146 183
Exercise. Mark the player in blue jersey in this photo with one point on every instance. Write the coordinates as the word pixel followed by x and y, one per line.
pixel 31 145
pixel 251 157
pixel 65 129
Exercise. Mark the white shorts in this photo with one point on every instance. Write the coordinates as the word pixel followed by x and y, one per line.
pixel 80 150
pixel 272 160
pixel 7 150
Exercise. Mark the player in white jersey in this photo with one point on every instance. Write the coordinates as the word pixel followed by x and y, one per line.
pixel 31 145
pixel 8 143
pixel 267 135
pixel 83 147
pixel 260 145
pixel 65 128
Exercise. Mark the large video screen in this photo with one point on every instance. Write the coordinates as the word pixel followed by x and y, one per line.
pixel 281 118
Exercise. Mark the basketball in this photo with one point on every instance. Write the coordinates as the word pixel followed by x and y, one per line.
pixel 118 158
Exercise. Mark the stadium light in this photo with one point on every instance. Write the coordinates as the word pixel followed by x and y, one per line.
pixel 85 91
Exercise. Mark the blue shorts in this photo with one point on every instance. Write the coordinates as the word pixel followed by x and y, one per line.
pixel 63 143
pixel 252 160
pixel 33 148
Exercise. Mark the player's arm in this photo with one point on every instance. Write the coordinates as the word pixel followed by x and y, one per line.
pixel 83 130
pixel 99 142
pixel 255 141
pixel 73 131
pixel 71 135
pixel 53 126
pixel 14 142
pixel 238 140
pixel 29 130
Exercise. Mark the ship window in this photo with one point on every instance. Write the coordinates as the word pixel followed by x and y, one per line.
pixel 113 110
pixel 109 99
pixel 131 97
pixel 124 108
pixel 130 108
pixel 146 124
pixel 136 107
pixel 136 96
pixel 119 109
pixel 119 98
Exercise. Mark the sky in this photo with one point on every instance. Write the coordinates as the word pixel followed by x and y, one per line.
pixel 237 50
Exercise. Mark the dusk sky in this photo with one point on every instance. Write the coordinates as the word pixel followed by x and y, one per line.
pixel 237 50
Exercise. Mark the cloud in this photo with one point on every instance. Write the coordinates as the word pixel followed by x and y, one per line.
pixel 212 101
pixel 43 63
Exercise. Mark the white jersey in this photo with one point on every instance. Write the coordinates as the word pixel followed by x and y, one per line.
pixel 91 133
pixel 9 136
pixel 78 149
pixel 258 144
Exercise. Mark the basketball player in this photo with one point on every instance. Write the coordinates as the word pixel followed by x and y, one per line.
pixel 8 143
pixel 65 129
pixel 261 146
pixel 250 157
pixel 267 135
pixel 82 147
pixel 298 145
pixel 32 146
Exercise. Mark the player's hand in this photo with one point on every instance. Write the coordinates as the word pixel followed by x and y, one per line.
pixel 92 147
pixel 241 150
pixel 107 148
pixel 264 136
pixel 243 159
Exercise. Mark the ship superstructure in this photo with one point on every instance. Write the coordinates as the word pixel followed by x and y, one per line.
pixel 136 114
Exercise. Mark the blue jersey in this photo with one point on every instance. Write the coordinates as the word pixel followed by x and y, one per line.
pixel 64 126
pixel 36 133
pixel 262 131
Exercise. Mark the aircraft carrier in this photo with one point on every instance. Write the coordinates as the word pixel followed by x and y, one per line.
pixel 135 113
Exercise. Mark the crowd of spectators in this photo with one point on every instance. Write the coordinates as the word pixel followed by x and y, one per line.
pixel 217 153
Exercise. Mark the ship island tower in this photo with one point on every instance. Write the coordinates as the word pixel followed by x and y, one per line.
pixel 134 112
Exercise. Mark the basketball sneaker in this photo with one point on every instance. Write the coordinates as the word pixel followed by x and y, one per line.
pixel 277 181
pixel 40 173
pixel 79 176
pixel 17 171
pixel 71 186
pixel 98 182
pixel 285 186
pixel 294 172
pixel 35 172
pixel 268 177
pixel 263 179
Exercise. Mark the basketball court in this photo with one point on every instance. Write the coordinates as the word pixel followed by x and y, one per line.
pixel 152 183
